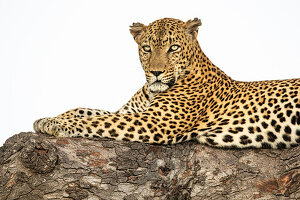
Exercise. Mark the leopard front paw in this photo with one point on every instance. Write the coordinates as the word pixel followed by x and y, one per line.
pixel 51 126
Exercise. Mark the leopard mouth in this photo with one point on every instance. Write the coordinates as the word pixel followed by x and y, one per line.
pixel 159 86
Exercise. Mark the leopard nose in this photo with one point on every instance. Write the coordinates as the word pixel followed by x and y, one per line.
pixel 156 73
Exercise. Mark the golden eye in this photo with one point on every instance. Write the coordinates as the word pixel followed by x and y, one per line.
pixel 147 48
pixel 174 48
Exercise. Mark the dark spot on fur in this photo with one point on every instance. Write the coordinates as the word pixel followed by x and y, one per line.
pixel 131 129
pixel 245 140
pixel 265 125
pixel 287 129
pixel 157 137
pixel 107 124
pixel 137 123
pixel 259 138
pixel 281 145
pixel 194 135
pixel 211 141
pixel 271 136
pixel 286 138
pixel 113 133
pixel 228 138
pixel 265 145
pixel 100 131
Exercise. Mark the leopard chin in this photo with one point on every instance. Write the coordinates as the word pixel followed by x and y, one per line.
pixel 158 87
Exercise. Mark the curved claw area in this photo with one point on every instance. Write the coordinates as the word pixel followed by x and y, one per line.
pixel 37 125
pixel 47 125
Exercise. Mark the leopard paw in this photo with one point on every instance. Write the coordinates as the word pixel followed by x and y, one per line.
pixel 51 126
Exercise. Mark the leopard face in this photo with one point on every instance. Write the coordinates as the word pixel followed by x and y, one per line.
pixel 165 48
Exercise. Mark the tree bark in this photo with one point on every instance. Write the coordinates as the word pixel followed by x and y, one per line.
pixel 36 166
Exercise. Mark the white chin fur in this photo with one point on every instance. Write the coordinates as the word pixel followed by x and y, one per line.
pixel 158 87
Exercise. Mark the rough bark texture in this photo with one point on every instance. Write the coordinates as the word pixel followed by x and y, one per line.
pixel 35 166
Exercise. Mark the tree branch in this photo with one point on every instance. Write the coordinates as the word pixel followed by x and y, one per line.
pixel 36 166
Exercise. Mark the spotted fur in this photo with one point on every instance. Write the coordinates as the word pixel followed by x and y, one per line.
pixel 187 97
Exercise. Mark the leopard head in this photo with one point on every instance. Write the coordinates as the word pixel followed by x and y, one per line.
pixel 165 50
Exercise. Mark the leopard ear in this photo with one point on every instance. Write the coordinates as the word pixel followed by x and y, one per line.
pixel 136 30
pixel 191 27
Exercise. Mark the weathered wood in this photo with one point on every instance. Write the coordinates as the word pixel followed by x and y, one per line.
pixel 35 166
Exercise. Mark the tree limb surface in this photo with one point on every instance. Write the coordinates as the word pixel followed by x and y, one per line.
pixel 36 166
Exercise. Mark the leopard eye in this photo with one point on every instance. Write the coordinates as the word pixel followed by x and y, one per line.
pixel 174 47
pixel 147 49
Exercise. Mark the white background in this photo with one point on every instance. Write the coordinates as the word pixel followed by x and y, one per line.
pixel 61 54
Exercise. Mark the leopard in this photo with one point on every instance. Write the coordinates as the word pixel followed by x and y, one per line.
pixel 187 98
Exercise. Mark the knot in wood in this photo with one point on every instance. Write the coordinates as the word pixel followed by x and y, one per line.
pixel 39 156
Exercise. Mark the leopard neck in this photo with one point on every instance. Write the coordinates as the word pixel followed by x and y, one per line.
pixel 202 67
